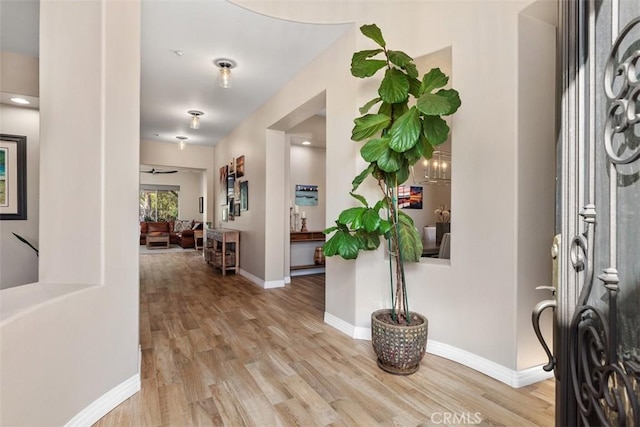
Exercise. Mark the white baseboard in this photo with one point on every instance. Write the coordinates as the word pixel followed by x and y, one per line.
pixel 347 328
pixel 262 283
pixel 287 280
pixel 515 379
pixel 105 403
pixel 307 271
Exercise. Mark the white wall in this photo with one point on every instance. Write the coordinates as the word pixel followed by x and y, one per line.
pixel 471 303
pixel 190 182
pixel 308 166
pixel 193 156
pixel 536 170
pixel 18 262
pixel 81 319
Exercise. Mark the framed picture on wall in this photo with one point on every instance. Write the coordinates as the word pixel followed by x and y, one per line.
pixel 201 204
pixel 231 182
pixel 236 209
pixel 13 177
pixel 244 195
pixel 232 166
pixel 225 214
pixel 222 179
pixel 240 166
pixel 230 209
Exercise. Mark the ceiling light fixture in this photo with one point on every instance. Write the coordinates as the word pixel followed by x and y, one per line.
pixel 195 118
pixel 306 142
pixel 225 66
pixel 182 140
pixel 20 101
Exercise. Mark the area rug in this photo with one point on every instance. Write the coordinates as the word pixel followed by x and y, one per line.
pixel 173 248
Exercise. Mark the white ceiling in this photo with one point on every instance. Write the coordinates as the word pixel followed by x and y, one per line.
pixel 268 53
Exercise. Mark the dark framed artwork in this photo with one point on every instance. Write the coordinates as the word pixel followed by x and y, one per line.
pixel 244 195
pixel 236 209
pixel 409 197
pixel 201 204
pixel 240 166
pixel 231 182
pixel 13 177
pixel 230 209
pixel 224 171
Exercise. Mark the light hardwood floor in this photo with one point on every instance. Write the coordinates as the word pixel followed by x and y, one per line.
pixel 221 351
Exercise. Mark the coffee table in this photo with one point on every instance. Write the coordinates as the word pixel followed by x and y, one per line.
pixel 158 242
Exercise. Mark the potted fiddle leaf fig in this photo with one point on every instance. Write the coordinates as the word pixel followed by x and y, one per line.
pixel 395 137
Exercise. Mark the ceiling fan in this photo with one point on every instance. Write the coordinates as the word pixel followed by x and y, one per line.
pixel 155 171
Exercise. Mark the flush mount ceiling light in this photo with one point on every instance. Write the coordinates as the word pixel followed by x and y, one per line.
pixel 182 140
pixel 306 142
pixel 20 101
pixel 195 118
pixel 225 66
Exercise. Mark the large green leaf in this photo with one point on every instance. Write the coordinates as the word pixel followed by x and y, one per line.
pixel 414 87
pixel 374 149
pixel 403 173
pixel 361 177
pixel 386 109
pixel 367 67
pixel 361 66
pixel 410 240
pixel 433 80
pixel 432 104
pixel 394 88
pixel 400 108
pixel 453 97
pixel 359 198
pixel 425 148
pixel 366 107
pixel 373 32
pixel 390 161
pixel 342 243
pixel 403 61
pixel 405 131
pixel 368 241
pixel 385 226
pixel 369 125
pixel 435 129
pixel 352 217
pixel 371 220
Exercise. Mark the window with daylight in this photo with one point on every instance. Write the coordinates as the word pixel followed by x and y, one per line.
pixel 159 202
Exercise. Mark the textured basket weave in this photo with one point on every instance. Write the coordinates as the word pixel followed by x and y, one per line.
pixel 399 348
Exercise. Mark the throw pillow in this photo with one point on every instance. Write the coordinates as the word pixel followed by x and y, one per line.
pixel 181 225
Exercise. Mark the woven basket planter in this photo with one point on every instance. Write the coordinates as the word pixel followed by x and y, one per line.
pixel 399 348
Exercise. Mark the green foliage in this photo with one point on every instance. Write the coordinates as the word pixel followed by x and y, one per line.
pixel 394 139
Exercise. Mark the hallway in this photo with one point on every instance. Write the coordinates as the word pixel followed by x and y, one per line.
pixel 221 351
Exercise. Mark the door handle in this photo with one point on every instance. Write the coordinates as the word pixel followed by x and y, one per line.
pixel 549 303
pixel 535 319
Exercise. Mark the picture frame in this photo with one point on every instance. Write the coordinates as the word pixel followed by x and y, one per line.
pixel 224 172
pixel 240 166
pixel 231 210
pixel 244 195
pixel 236 209
pixel 201 204
pixel 232 166
pixel 306 195
pixel 13 177
pixel 231 182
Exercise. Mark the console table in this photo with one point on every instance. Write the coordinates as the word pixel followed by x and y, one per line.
pixel 223 249
pixel 305 237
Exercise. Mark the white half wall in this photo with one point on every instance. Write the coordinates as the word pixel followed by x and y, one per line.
pixel 72 338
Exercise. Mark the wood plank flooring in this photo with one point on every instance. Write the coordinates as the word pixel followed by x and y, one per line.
pixel 221 351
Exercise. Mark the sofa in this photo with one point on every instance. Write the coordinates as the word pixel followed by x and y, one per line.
pixel 180 231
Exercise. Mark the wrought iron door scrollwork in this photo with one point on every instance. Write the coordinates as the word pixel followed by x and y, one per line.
pixel 622 114
pixel 606 390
